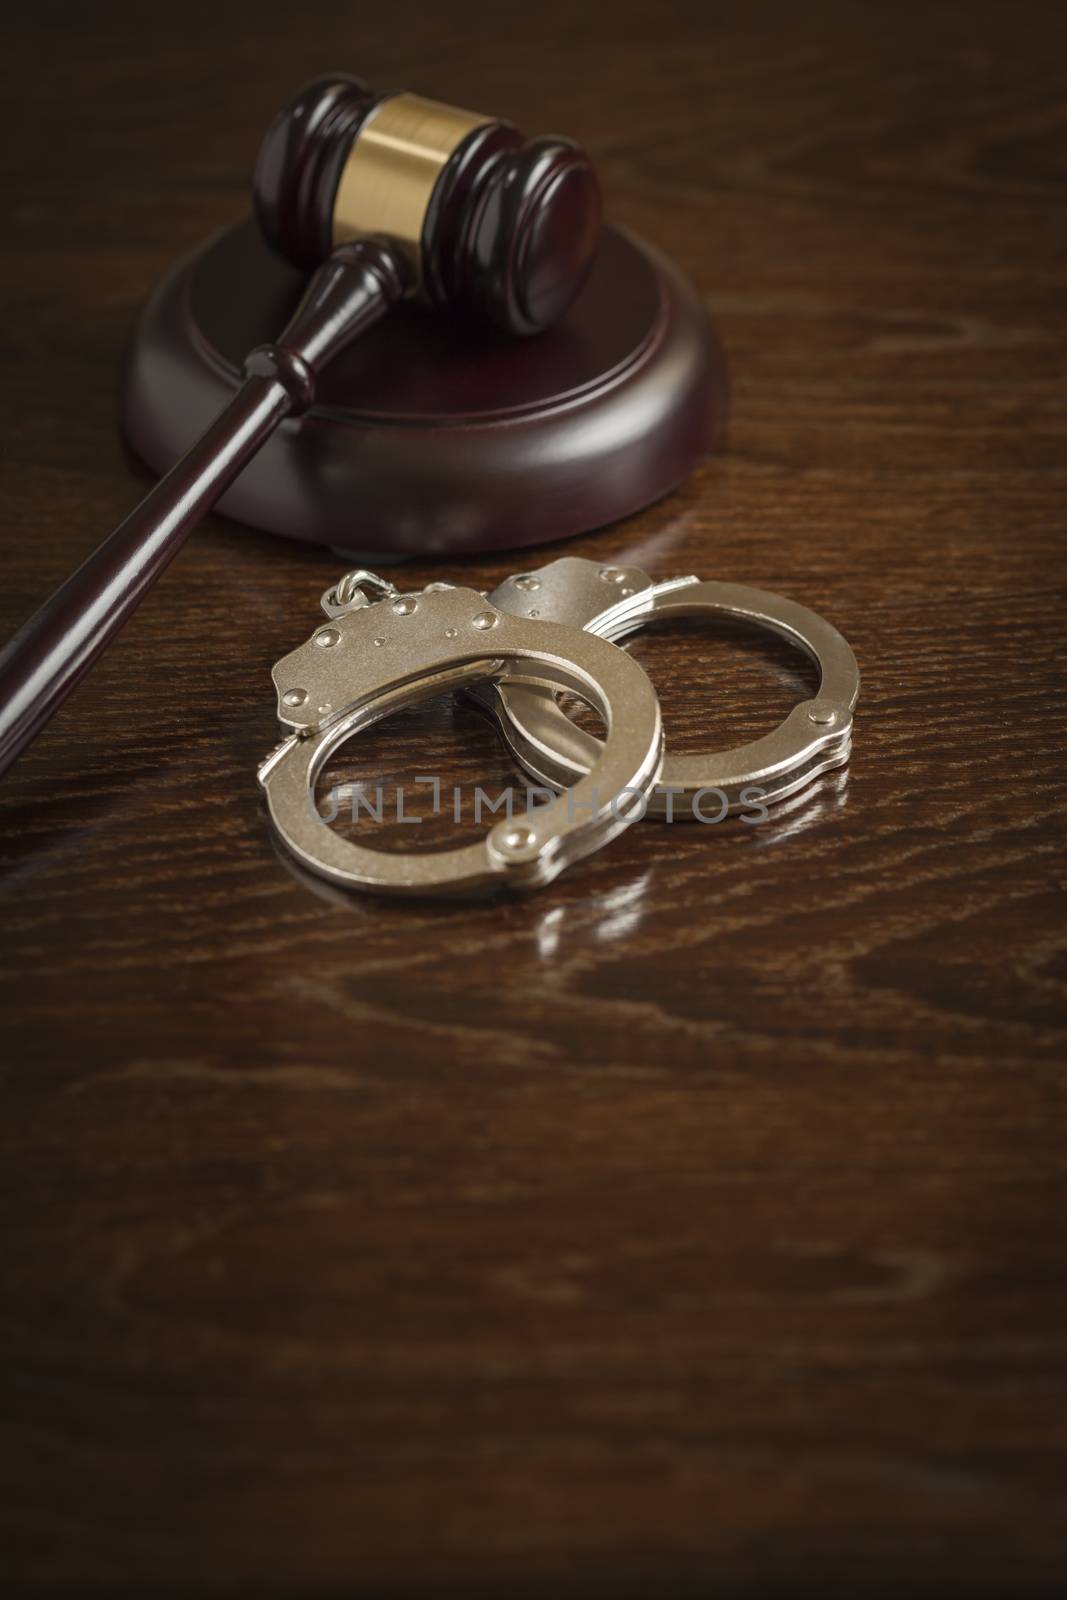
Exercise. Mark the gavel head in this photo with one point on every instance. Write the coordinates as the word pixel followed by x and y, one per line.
pixel 479 218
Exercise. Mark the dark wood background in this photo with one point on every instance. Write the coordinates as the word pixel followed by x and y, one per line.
pixel 697 1225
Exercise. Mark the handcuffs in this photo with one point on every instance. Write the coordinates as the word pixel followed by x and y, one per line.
pixel 376 655
pixel 614 602
pixel 541 633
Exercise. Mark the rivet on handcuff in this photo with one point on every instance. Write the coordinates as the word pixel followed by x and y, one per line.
pixel 540 633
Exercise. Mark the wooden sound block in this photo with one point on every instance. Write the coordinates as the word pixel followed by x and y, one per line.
pixel 430 434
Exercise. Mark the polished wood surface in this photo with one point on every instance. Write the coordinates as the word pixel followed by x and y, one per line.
pixel 695 1226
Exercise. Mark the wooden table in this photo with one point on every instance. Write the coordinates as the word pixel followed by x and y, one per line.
pixel 697 1225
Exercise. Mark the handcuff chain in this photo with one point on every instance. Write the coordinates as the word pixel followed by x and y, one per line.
pixel 349 592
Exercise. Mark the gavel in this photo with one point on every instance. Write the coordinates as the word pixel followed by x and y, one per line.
pixel 386 197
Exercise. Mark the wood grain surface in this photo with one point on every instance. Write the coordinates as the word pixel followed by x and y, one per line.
pixel 695 1226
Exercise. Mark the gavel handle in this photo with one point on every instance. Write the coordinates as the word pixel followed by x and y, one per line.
pixel 54 650
pixel 60 642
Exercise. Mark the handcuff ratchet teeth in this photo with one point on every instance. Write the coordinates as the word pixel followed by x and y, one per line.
pixel 613 602
pixel 382 650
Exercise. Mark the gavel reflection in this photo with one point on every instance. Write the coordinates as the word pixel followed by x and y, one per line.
pixel 386 197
